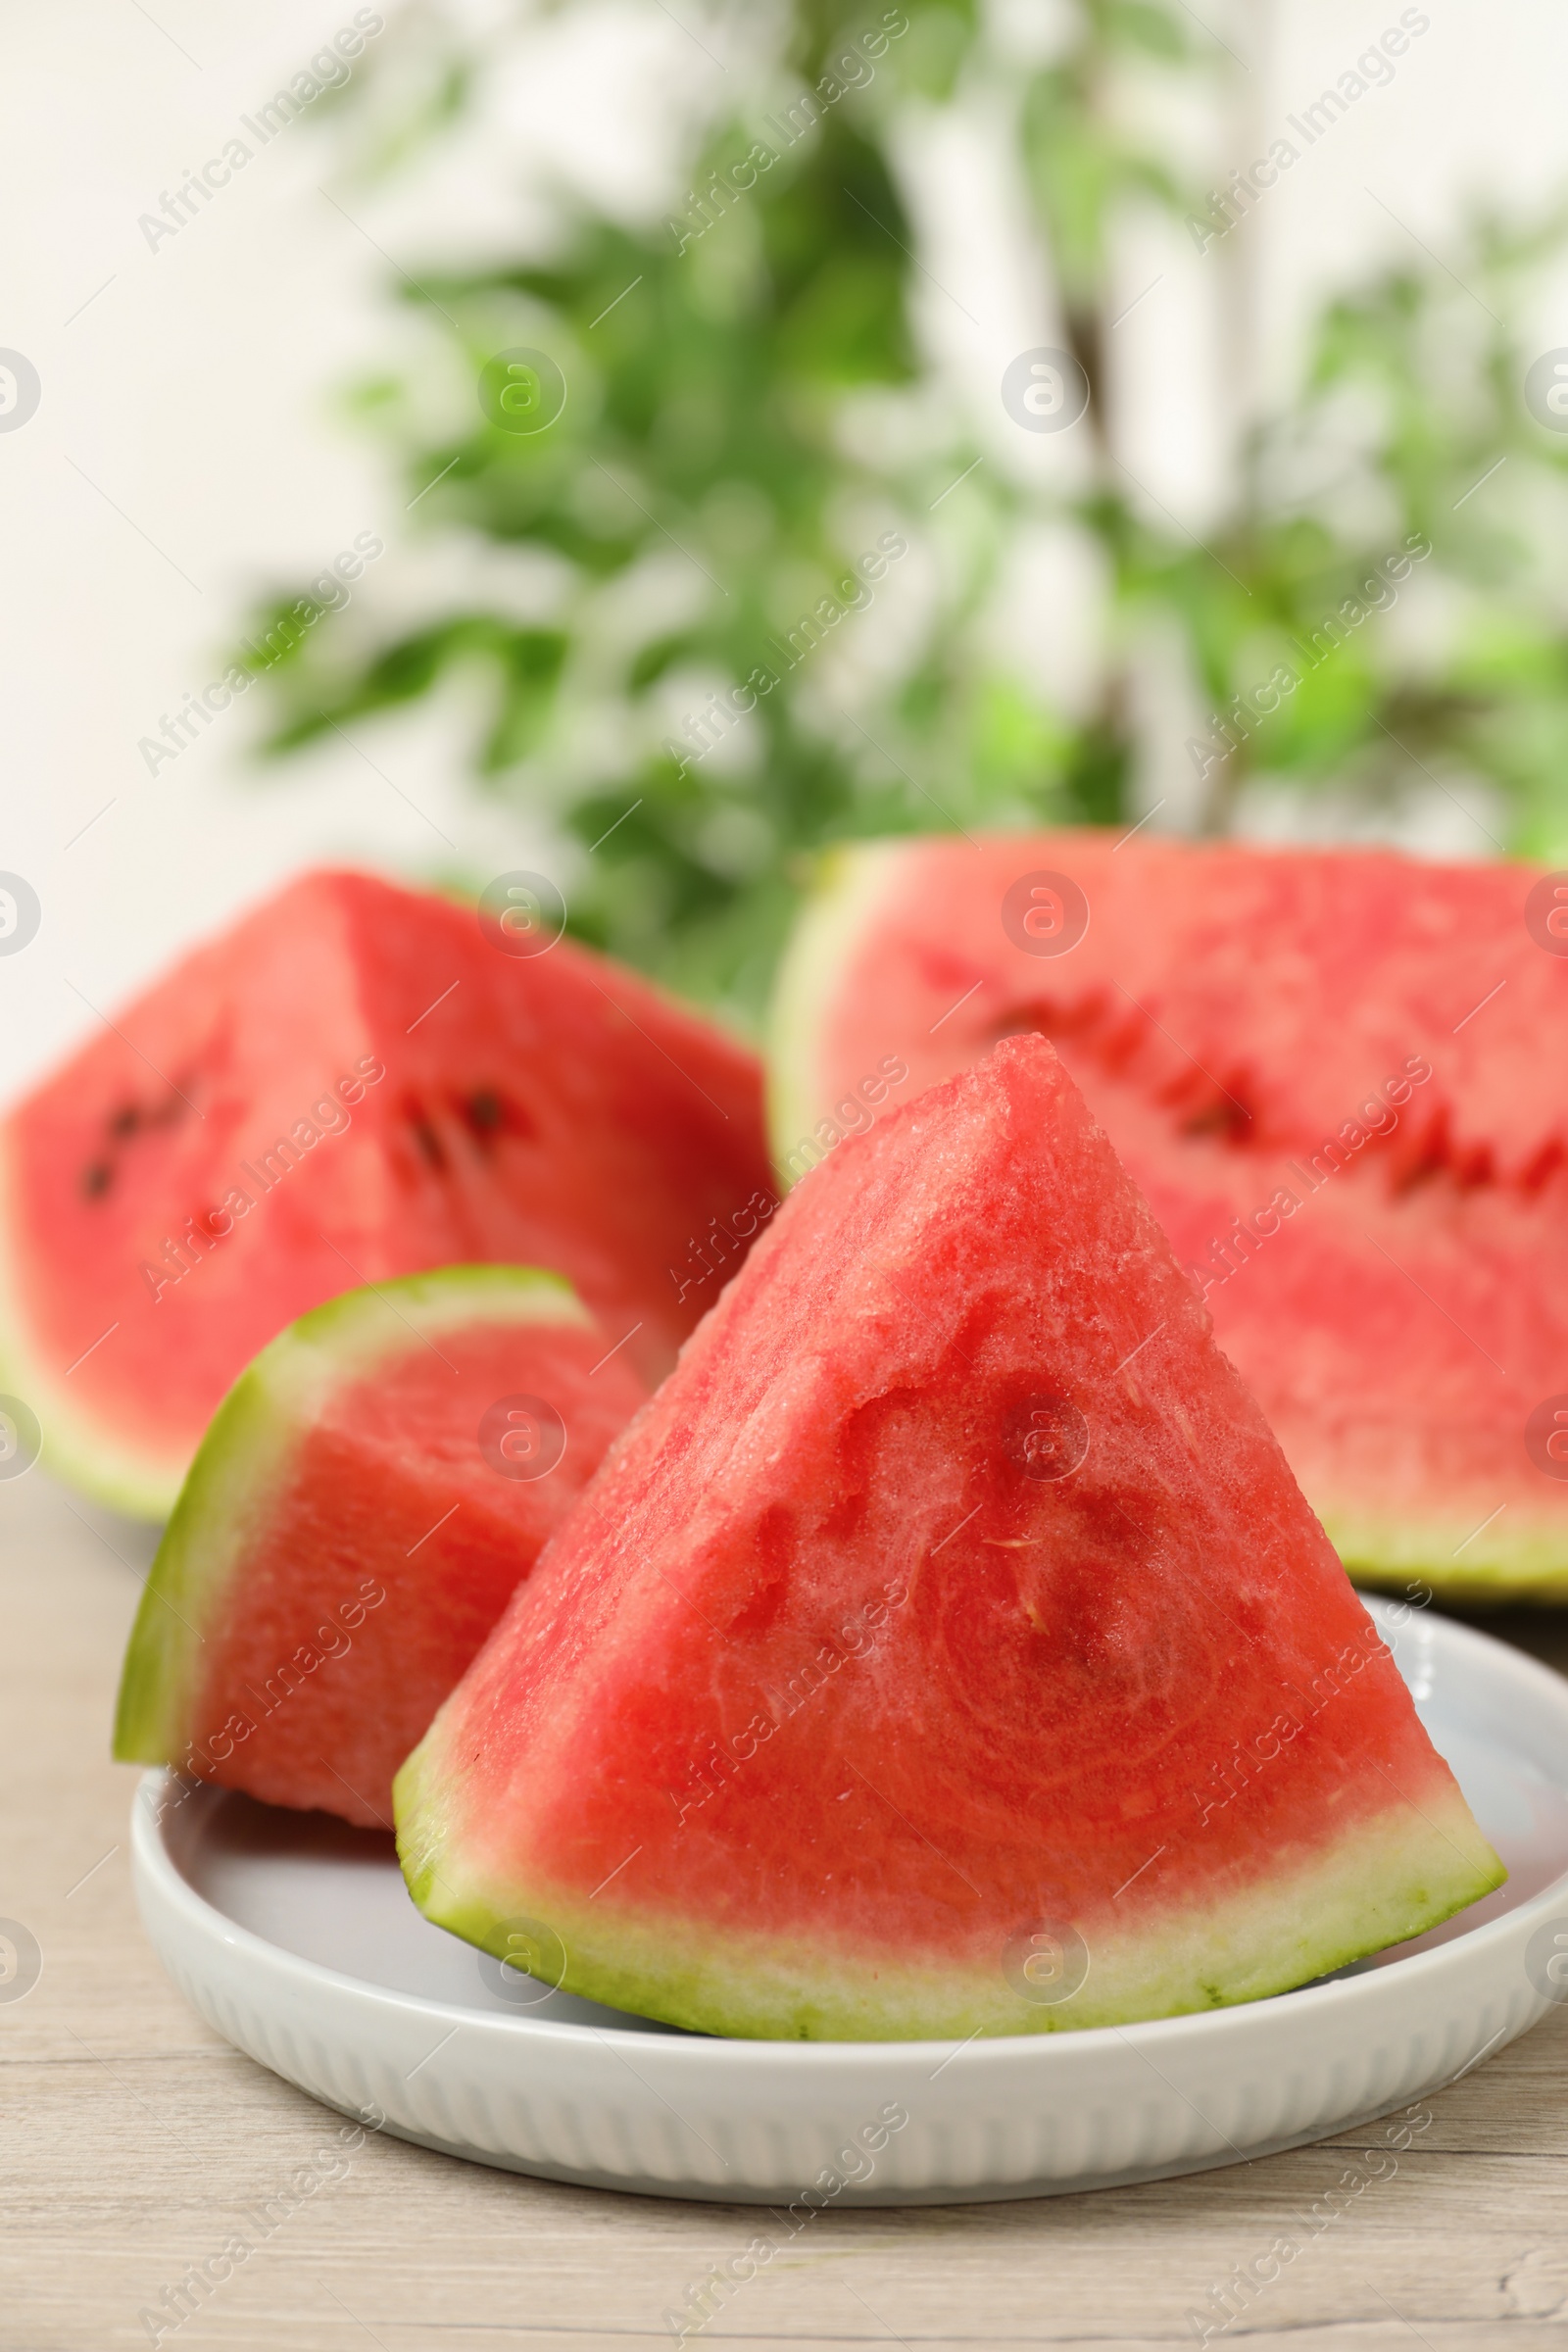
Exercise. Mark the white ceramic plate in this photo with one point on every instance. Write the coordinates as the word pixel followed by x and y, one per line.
pixel 295 1938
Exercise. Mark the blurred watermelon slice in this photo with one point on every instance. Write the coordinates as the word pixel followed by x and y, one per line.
pixel 1339 1079
pixel 350 1084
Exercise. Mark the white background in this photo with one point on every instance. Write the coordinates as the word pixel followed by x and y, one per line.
pixel 188 452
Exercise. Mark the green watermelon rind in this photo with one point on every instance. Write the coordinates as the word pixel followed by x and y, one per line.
pixel 1524 1564
pixel 242 1455
pixel 1512 1560
pixel 1375 1887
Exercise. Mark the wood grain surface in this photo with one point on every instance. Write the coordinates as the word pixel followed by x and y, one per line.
pixel 134 2139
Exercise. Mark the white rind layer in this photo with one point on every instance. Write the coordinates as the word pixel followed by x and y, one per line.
pixel 853 881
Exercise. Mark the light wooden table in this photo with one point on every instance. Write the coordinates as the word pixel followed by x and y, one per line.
pixel 133 2139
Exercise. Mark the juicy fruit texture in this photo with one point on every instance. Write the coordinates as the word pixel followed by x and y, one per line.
pixel 947 1649
pixel 1336 1079
pixel 366 1499
pixel 351 1084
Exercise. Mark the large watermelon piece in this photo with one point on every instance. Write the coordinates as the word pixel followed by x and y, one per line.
pixel 368 1496
pixel 1340 1080
pixel 354 1083
pixel 946 1648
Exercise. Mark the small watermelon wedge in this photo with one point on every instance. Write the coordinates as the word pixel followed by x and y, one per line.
pixel 947 1649
pixel 1334 1075
pixel 355 1082
pixel 371 1492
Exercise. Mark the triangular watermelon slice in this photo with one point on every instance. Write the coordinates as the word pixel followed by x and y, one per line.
pixel 947 1649
pixel 368 1496
pixel 355 1082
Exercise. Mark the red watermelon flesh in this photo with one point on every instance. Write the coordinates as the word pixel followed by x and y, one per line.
pixel 349 1085
pixel 1337 1078
pixel 947 1649
pixel 368 1498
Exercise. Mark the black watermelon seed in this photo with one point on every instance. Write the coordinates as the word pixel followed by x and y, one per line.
pixel 96 1178
pixel 126 1121
pixel 430 1142
pixel 488 1115
pixel 1228 1120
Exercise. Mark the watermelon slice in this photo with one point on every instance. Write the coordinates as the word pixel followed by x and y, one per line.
pixel 366 1499
pixel 1335 1078
pixel 354 1082
pixel 946 1648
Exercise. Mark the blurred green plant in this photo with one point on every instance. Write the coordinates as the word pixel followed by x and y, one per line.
pixel 753 441
pixel 1410 439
